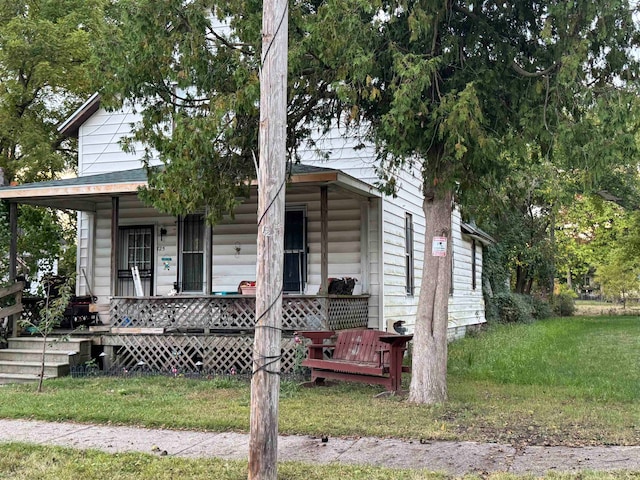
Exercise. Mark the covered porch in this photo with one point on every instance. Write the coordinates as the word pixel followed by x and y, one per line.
pixel 168 325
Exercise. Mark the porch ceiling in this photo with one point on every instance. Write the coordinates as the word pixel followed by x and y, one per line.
pixel 82 193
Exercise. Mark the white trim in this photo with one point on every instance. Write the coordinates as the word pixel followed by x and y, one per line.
pixel 381 286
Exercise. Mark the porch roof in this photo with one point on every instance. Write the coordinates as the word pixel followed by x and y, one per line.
pixel 471 230
pixel 82 193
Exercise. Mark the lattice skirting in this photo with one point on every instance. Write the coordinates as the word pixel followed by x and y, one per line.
pixel 192 353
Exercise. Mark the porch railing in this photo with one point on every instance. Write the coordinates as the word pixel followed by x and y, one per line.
pixel 230 313
pixel 9 313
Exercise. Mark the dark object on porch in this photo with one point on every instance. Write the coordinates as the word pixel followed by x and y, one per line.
pixel 366 356
pixel 341 286
pixel 77 312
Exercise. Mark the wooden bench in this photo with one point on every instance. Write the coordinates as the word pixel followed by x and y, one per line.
pixel 367 356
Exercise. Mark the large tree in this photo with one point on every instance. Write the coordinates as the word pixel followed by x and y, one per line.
pixel 465 92
pixel 465 86
pixel 44 77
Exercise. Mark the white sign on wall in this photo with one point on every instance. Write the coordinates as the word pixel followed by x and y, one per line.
pixel 439 247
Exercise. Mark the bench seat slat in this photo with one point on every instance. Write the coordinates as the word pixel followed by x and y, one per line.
pixel 345 366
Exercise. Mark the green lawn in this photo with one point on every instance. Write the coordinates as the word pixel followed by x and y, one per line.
pixel 569 381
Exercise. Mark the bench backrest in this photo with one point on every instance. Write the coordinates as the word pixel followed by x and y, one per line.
pixel 359 346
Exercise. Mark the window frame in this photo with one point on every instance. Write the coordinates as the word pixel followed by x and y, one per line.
pixel 409 254
pixel 200 249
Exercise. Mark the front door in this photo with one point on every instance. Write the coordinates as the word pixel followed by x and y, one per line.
pixel 135 247
pixel 295 250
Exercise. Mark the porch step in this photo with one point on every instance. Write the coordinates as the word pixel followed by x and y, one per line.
pixel 76 344
pixel 21 361
pixel 32 355
pixel 7 378
pixel 50 369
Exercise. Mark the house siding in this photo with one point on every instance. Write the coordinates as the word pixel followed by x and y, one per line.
pixel 85 226
pixel 466 305
pixel 99 138
pixel 375 223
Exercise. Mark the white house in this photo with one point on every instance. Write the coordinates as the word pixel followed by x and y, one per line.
pixel 338 225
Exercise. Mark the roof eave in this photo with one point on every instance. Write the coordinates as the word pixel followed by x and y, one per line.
pixel 71 126
pixel 477 234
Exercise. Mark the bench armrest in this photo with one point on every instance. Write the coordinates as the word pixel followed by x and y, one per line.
pixel 316 336
pixel 316 350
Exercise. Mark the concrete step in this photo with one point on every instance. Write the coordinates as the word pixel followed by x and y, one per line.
pixel 33 368
pixel 75 344
pixel 28 355
pixel 7 378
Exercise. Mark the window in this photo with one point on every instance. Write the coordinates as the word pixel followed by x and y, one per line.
pixel 192 265
pixel 408 253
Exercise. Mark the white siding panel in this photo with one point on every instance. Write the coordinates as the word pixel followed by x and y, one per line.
pixel 99 143
pixel 84 252
pixel 399 306
pixel 466 305
pixel 230 268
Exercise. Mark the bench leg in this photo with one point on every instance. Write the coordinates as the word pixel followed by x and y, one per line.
pixel 315 378
pixel 395 370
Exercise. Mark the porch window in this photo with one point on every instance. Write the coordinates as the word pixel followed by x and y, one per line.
pixel 408 254
pixel 135 247
pixel 192 265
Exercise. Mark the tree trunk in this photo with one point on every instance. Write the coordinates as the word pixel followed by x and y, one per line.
pixel 429 363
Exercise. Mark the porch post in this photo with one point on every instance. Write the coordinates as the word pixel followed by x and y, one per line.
pixel 208 248
pixel 13 261
pixel 13 242
pixel 324 240
pixel 115 213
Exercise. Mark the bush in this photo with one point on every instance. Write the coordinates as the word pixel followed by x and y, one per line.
pixel 564 304
pixel 510 308
pixel 564 301
pixel 541 308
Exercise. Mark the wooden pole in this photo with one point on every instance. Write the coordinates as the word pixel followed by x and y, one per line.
pixel 324 240
pixel 265 383
pixel 13 260
pixel 13 241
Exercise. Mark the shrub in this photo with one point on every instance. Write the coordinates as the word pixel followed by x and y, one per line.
pixel 510 308
pixel 564 304
pixel 541 308
pixel 564 301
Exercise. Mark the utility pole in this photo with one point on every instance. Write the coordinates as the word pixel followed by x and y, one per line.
pixel 265 382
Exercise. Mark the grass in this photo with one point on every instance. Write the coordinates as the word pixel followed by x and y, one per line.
pixel 598 307
pixel 23 461
pixel 558 382
pixel 20 461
